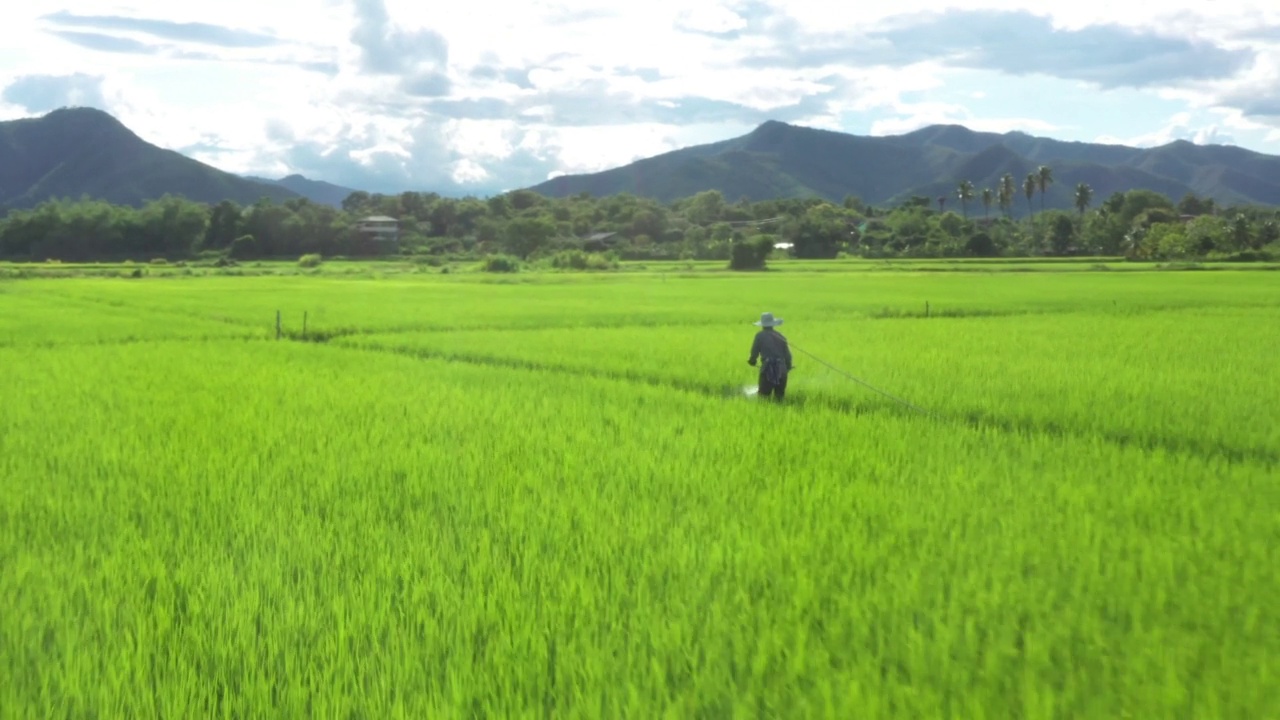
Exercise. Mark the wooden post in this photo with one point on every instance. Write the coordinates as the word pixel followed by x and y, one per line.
pixel 277 324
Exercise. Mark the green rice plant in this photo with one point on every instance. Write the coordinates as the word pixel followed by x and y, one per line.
pixel 284 529
pixel 1207 385
pixel 551 497
pixel 478 301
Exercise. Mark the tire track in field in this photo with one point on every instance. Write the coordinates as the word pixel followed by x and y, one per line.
pixel 161 310
pixel 977 419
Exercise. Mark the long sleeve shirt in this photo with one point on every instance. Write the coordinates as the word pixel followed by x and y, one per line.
pixel 770 344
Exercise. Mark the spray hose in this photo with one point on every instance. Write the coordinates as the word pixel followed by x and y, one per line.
pixel 864 383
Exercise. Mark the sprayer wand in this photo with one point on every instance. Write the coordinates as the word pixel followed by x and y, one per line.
pixel 860 381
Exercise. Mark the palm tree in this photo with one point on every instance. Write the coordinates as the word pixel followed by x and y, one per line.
pixel 1029 187
pixel 1007 191
pixel 988 197
pixel 965 192
pixel 1044 178
pixel 1084 196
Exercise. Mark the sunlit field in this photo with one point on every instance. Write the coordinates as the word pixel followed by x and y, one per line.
pixel 555 496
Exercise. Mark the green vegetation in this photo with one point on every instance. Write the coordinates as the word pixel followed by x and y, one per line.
pixel 595 234
pixel 547 494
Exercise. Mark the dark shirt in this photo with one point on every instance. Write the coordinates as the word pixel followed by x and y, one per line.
pixel 770 344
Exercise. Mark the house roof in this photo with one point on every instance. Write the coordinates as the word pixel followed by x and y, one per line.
pixel 378 218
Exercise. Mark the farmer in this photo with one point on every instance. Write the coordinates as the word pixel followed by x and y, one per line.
pixel 771 346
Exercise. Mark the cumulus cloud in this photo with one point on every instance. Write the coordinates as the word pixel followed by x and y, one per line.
pixel 1181 126
pixel 387 49
pixel 711 19
pixel 42 93
pixel 482 96
pixel 105 43
pixel 204 33
pixel 182 41
pixel 1015 43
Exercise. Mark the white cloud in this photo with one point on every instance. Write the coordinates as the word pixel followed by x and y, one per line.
pixel 919 115
pixel 561 86
pixel 710 19
pixel 1181 126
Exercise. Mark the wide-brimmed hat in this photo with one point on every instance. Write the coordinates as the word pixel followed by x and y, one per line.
pixel 767 320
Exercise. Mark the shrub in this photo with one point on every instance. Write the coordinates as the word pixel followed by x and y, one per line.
pixel 500 264
pixel 310 260
pixel 1246 256
pixel 750 254
pixel 981 245
pixel 242 247
pixel 579 260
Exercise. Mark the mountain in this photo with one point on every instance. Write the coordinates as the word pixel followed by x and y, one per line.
pixel 777 159
pixel 75 152
pixel 317 191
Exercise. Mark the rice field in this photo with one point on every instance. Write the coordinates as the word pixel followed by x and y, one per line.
pixel 554 496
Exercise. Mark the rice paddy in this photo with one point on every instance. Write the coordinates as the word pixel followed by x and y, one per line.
pixel 551 497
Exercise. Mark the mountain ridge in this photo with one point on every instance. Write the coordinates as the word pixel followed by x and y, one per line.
pixel 75 152
pixel 317 191
pixel 930 162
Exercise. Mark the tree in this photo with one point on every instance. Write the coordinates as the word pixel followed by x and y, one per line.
pixel 1268 233
pixel 1138 201
pixel 525 199
pixel 1206 234
pixel 819 233
pixel 1192 205
pixel 224 226
pixel 356 202
pixel 1029 188
pixel 750 254
pixel 1044 178
pixel 524 236
pixel 988 197
pixel 1241 233
pixel 172 226
pixel 942 203
pixel 443 216
pixel 965 192
pixel 705 208
pixel 1084 196
pixel 243 247
pixel 1007 191
pixel 980 245
pixel 1062 230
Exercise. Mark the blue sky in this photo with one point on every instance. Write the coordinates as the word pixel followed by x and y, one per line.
pixel 480 97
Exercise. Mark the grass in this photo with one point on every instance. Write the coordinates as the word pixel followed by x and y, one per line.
pixel 550 498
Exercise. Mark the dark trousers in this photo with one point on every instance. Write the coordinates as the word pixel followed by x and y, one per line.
pixel 776 391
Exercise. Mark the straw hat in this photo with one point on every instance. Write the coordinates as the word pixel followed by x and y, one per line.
pixel 767 320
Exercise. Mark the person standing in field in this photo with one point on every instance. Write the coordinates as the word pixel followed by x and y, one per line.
pixel 771 347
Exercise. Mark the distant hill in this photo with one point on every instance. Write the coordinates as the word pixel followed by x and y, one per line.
pixel 777 159
pixel 317 191
pixel 76 152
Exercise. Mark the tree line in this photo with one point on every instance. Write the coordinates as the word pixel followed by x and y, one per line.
pixel 1139 224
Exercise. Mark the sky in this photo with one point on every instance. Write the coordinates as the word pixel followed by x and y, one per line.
pixel 480 97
